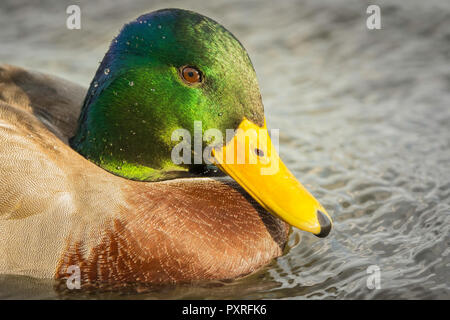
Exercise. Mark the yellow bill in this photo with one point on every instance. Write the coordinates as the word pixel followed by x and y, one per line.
pixel 251 159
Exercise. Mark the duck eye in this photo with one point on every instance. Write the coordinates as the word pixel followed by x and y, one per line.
pixel 191 75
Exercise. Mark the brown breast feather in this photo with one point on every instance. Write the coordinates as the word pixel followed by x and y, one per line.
pixel 180 231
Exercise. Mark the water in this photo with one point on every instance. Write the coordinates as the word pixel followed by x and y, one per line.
pixel 365 125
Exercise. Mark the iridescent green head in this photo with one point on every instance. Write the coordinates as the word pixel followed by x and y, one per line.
pixel 164 71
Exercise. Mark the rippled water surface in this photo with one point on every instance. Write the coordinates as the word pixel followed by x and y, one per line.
pixel 364 119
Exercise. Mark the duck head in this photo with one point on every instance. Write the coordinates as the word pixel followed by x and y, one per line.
pixel 174 70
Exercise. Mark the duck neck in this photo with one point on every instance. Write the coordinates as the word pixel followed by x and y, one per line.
pixel 122 142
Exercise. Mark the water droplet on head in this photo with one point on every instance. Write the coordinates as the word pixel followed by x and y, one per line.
pixel 106 71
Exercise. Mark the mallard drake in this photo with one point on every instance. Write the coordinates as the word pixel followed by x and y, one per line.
pixel 104 194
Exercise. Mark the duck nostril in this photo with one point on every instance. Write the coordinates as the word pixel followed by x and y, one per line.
pixel 325 224
pixel 259 152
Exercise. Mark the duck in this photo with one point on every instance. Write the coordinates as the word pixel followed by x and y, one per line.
pixel 91 180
